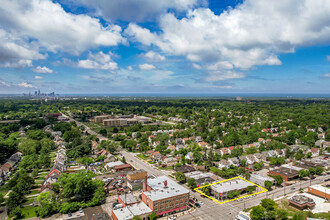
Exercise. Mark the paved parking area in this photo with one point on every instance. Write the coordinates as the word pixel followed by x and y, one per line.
pixel 321 205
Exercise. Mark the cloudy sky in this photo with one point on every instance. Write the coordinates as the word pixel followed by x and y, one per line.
pixel 162 46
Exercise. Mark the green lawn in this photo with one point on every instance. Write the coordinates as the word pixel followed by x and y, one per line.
pixel 30 200
pixel 142 156
pixel 29 212
pixel 33 192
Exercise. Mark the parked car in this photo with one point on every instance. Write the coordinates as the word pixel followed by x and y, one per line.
pixel 197 205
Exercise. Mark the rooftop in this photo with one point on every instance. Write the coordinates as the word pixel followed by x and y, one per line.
pixel 286 171
pixel 132 210
pixel 112 164
pixel 236 184
pixel 128 199
pixel 198 175
pixel 321 188
pixel 301 200
pixel 159 191
pixel 260 177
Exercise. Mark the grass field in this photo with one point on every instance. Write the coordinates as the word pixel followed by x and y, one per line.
pixel 30 200
pixel 29 212
pixel 142 156
pixel 33 192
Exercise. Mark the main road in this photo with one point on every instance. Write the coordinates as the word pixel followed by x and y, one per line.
pixel 210 209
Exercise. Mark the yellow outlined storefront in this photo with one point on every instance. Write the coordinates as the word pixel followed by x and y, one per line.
pixel 229 200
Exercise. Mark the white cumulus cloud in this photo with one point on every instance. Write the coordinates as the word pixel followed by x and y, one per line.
pixel 38 77
pixel 98 60
pixel 54 29
pixel 25 85
pixel 252 34
pixel 43 69
pixel 137 10
pixel 154 57
pixel 146 66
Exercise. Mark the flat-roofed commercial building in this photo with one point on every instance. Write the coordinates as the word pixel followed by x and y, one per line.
pixel 100 118
pixel 319 190
pixel 260 180
pixel 136 175
pixel 164 196
pixel 301 202
pixel 115 122
pixel 221 190
pixel 128 212
pixel 287 173
pixel 127 199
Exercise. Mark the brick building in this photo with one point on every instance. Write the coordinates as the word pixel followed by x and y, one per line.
pixel 164 196
pixel 286 173
pixel 127 199
pixel 136 175
pixel 301 202
pixel 319 190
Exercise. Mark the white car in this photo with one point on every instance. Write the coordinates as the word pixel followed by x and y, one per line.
pixel 200 202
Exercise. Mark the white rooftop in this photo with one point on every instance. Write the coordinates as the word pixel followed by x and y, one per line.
pixel 159 191
pixel 116 163
pixel 128 198
pixel 321 188
pixel 292 167
pixel 132 210
pixel 260 177
pixel 228 186
pixel 198 175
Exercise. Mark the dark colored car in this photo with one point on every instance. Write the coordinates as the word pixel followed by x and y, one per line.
pixel 197 205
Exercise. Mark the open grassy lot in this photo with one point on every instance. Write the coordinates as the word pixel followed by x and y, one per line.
pixel 28 212
pixel 142 156
pixel 33 192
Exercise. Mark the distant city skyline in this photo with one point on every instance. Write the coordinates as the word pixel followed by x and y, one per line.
pixel 165 47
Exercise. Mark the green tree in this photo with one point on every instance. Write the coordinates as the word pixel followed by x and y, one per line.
pixel 278 179
pixel 268 184
pixel 47 205
pixel 206 190
pixel 191 182
pixel 243 163
pixel 29 146
pixel 282 214
pixel 309 154
pixel 136 218
pixel 16 213
pixel 153 216
pixel 233 194
pixel 13 200
pixel 103 132
pixel 180 177
pixel 299 216
pixel 1 198
pixel 250 189
pixel 257 213
pixel 268 204
pixel 312 171
pixel 319 170
pixel 303 173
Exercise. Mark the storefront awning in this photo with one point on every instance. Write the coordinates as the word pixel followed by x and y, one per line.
pixel 171 210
